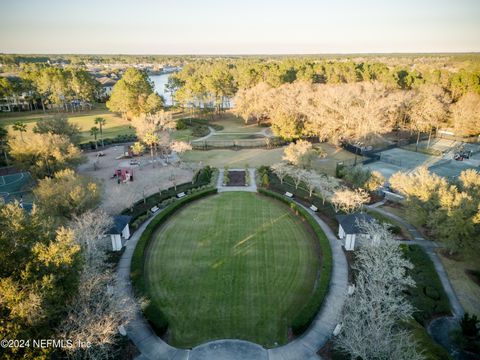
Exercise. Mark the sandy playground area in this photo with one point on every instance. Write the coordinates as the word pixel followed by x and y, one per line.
pixel 147 179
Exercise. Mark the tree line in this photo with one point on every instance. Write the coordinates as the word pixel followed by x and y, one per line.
pixel 63 88
pixel 362 111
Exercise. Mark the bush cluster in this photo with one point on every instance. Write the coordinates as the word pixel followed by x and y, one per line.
pixel 428 296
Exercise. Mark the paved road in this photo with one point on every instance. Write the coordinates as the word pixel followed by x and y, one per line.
pixel 304 347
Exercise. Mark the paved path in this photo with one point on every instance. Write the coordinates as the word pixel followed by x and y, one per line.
pixel 138 329
pixel 429 247
pixel 250 188
pixel 304 347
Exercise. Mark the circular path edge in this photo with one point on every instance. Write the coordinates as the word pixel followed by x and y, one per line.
pixel 305 347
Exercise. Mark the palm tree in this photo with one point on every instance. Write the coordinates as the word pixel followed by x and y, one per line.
pixel 21 127
pixel 100 122
pixel 94 132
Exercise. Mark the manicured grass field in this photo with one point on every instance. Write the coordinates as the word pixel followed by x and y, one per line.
pixel 232 158
pixel 114 125
pixel 233 124
pixel 234 265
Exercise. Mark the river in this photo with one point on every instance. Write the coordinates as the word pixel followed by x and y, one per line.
pixel 159 82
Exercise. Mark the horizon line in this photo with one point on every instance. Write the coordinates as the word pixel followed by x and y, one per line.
pixel 476 52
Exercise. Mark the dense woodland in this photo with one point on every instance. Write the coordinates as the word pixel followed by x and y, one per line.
pixel 301 97
pixel 335 100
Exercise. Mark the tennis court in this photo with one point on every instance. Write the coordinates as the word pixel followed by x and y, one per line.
pixel 397 159
pixel 17 187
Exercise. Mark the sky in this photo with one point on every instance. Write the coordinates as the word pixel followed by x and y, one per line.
pixel 238 27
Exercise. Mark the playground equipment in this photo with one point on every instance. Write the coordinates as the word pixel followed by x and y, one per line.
pixel 123 175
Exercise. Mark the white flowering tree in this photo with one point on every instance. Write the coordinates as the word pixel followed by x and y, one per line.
pixel 326 187
pixel 282 170
pixel 349 201
pixel 372 316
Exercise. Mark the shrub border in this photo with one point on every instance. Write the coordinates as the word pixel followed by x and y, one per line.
pixel 158 321
pixel 308 313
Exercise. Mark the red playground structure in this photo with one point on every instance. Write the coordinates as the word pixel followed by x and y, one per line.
pixel 123 175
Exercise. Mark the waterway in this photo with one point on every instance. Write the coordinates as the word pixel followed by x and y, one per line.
pixel 159 82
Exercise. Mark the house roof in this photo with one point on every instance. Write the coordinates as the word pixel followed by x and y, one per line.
pixel 119 223
pixel 106 81
pixel 350 223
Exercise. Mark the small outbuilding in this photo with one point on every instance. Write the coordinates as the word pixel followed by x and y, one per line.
pixel 349 229
pixel 120 231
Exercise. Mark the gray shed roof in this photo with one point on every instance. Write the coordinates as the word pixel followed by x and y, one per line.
pixel 119 223
pixel 350 222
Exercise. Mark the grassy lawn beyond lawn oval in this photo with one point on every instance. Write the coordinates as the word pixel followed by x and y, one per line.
pixel 235 265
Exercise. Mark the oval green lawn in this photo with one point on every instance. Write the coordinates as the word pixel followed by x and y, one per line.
pixel 234 265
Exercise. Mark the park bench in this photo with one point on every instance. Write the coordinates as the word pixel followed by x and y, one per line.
pixel 337 329
pixel 313 208
pixel 154 209
pixel 350 289
pixel 180 195
pixel 289 194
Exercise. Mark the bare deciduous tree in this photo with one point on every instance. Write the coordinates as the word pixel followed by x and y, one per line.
pixel 299 154
pixel 99 307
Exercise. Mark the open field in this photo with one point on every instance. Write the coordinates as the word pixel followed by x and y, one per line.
pixel 234 158
pixel 235 265
pixel 114 126
pixel 234 124
pixel 257 157
pixel 329 163
pixel 467 290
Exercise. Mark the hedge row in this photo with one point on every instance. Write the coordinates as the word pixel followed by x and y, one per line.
pixel 152 312
pixel 427 296
pixel 310 310
pixel 141 207
pixel 116 140
pixel 324 208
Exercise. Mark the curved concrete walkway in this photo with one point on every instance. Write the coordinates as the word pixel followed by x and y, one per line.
pixel 304 347
pixel 429 247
